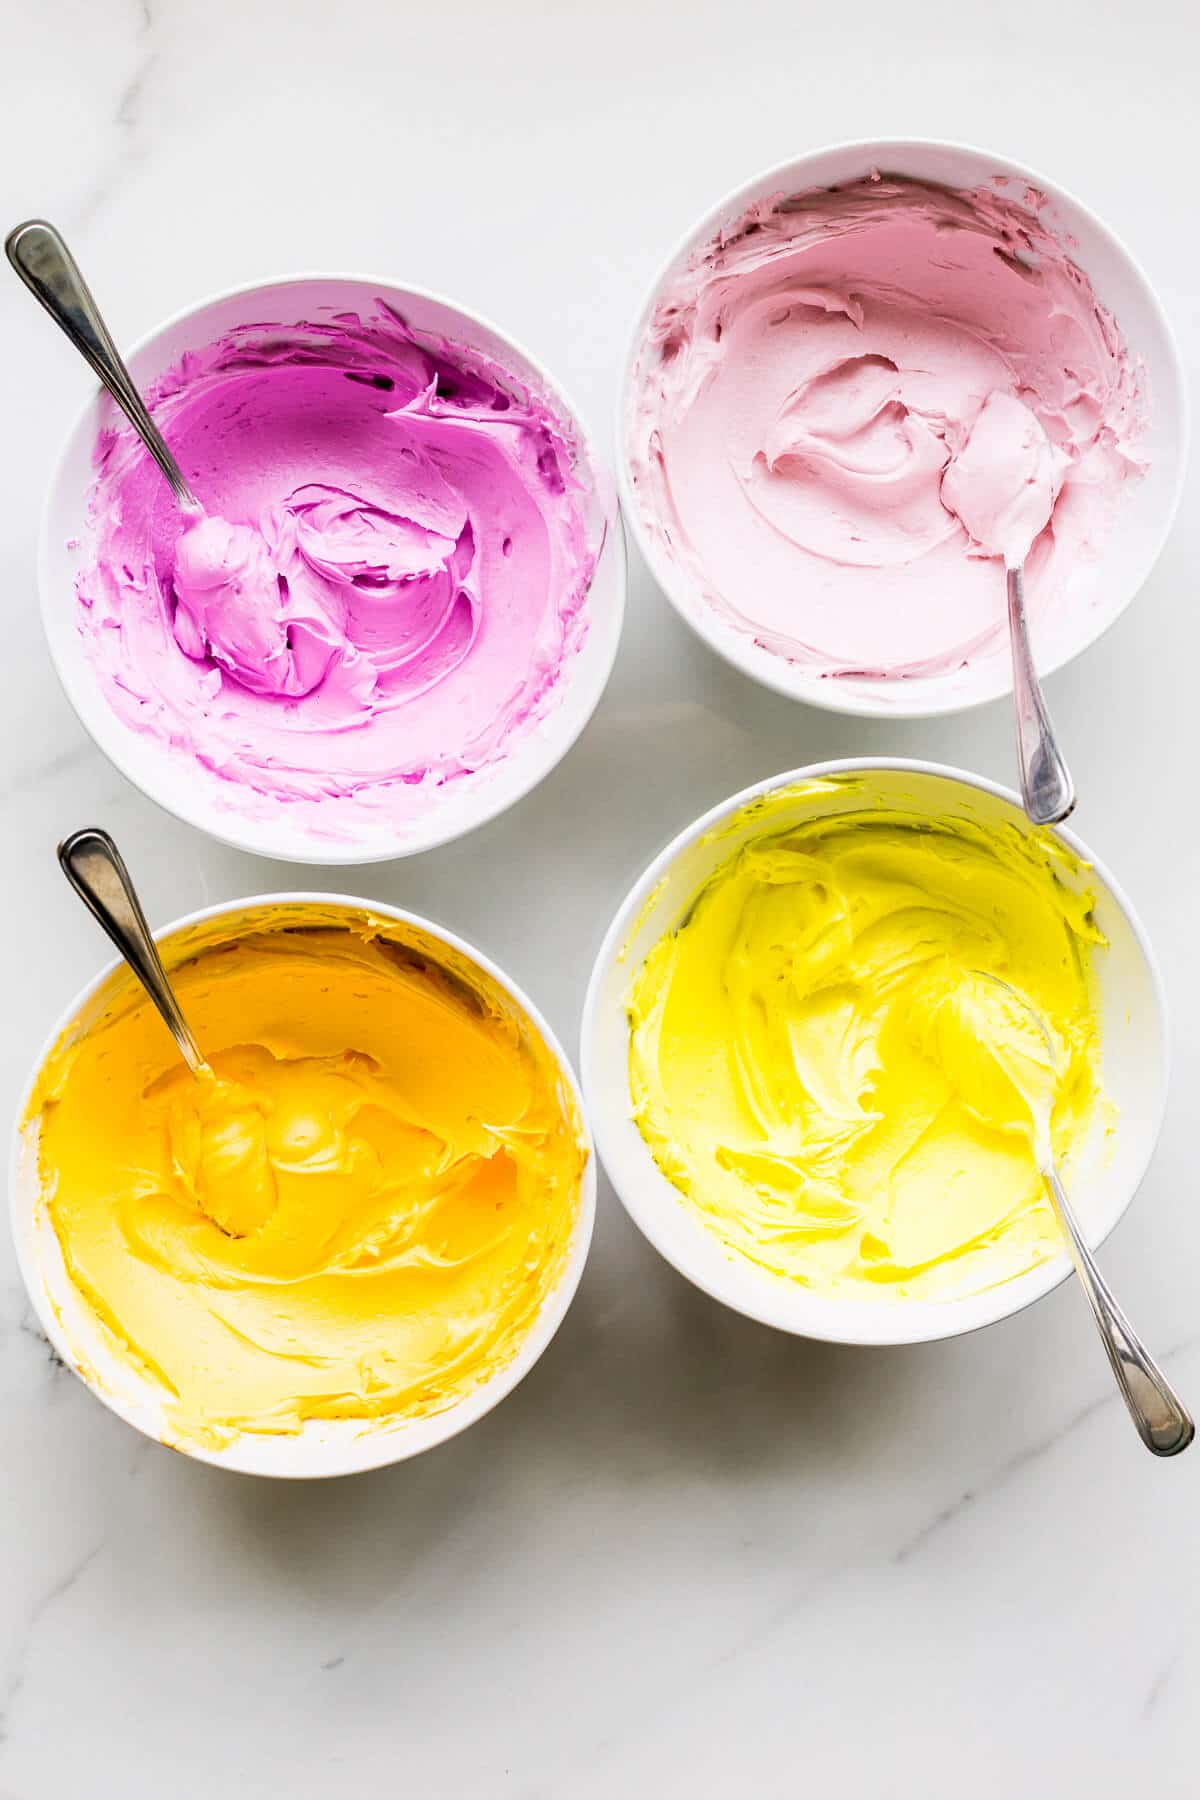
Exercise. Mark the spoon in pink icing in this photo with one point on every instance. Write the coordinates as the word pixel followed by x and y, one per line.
pixel 1002 486
pixel 42 260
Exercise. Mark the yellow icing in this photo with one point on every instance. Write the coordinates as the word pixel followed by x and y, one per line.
pixel 357 1215
pixel 819 1063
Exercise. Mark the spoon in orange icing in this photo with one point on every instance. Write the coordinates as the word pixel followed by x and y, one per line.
pixel 218 1131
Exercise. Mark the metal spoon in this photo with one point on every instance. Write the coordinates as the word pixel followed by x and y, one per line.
pixel 241 1196
pixel 1046 785
pixel 1001 484
pixel 1163 1422
pixel 93 865
pixel 42 260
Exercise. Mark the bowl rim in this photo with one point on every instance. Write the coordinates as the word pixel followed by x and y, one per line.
pixel 112 741
pixel 385 1445
pixel 747 656
pixel 941 1319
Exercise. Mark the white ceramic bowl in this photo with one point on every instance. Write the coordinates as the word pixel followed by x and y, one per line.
pixel 1147 507
pixel 333 1447
pixel 179 783
pixel 1134 1052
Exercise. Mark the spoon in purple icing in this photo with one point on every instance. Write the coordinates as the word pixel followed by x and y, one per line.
pixel 42 260
pixel 215 558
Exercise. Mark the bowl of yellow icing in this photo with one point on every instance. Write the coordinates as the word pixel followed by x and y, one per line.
pixel 810 1064
pixel 352 1240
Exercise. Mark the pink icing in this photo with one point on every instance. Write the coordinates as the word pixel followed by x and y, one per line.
pixel 847 395
pixel 387 580
pixel 1003 483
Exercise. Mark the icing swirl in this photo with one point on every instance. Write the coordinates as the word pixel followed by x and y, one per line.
pixel 819 1062
pixel 384 589
pixel 845 395
pixel 358 1215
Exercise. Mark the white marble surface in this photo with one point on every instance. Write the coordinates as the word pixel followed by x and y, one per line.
pixel 688 1556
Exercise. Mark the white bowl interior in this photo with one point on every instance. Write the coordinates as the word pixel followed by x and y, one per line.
pixel 323 1447
pixel 1108 1173
pixel 1146 509
pixel 178 782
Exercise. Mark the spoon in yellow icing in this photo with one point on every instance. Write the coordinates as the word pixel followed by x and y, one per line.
pixel 218 1129
pixel 1006 1066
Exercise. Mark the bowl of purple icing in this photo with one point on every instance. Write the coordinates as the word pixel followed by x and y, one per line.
pixel 400 605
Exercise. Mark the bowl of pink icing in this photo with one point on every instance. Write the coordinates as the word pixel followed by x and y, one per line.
pixel 863 383
pixel 403 597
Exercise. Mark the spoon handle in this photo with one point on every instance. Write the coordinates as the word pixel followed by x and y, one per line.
pixel 94 867
pixel 1046 785
pixel 1163 1422
pixel 49 271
